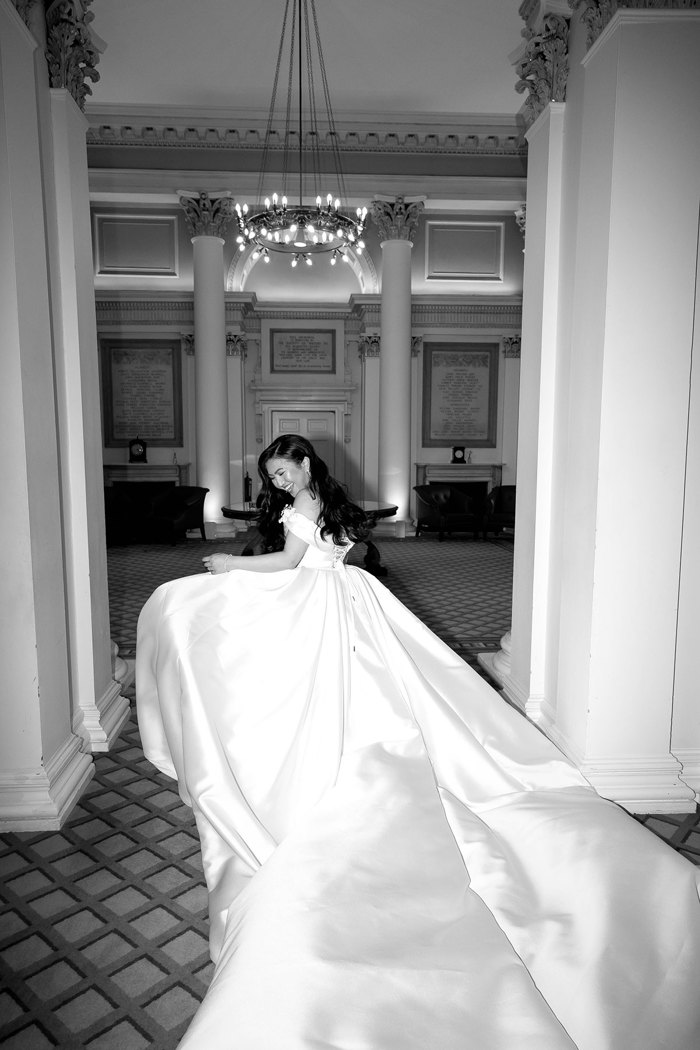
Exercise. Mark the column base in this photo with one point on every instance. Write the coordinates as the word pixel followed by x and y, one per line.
pixel 100 723
pixel 41 799
pixel 689 759
pixel 641 784
pixel 497 665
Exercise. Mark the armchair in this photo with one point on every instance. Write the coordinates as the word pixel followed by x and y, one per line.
pixel 152 512
pixel 443 509
pixel 500 509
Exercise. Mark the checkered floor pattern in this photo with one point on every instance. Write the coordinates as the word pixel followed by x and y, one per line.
pixel 103 925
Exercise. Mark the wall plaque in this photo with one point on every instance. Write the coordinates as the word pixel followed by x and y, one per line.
pixel 141 391
pixel 460 394
pixel 302 351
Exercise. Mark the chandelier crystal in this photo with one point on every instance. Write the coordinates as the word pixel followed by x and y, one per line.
pixel 314 222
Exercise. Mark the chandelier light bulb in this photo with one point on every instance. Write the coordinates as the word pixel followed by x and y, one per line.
pixel 308 260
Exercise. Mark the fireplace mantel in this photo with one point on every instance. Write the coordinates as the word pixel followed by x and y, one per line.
pixel 427 472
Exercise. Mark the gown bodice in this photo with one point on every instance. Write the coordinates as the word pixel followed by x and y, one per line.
pixel 322 551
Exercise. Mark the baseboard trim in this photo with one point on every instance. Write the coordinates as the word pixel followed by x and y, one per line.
pixel 99 724
pixel 41 799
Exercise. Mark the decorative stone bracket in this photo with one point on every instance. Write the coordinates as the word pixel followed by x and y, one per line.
pixel 544 70
pixel 71 51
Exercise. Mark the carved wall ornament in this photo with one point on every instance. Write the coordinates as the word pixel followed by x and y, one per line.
pixel 511 346
pixel 236 345
pixel 369 346
pixel 187 340
pixel 24 10
pixel 544 70
pixel 595 14
pixel 416 345
pixel 207 216
pixel 521 218
pixel 396 220
pixel 71 52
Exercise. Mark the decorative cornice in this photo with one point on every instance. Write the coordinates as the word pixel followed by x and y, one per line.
pixel 427 315
pixel 207 216
pixel 396 220
pixel 137 312
pixel 595 14
pixel 71 53
pixel 544 70
pixel 107 129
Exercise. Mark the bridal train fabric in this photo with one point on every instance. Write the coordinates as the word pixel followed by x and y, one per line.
pixel 396 859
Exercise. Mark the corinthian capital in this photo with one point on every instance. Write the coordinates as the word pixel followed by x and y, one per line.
pixel 71 51
pixel 544 70
pixel 207 215
pixel 396 220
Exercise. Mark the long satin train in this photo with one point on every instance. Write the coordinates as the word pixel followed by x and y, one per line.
pixel 397 860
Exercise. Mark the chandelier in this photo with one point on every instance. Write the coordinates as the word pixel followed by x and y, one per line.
pixel 304 219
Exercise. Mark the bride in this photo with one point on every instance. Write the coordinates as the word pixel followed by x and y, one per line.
pixel 395 858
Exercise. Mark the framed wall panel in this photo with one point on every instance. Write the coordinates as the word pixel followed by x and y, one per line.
pixel 460 394
pixel 464 251
pixel 136 245
pixel 141 391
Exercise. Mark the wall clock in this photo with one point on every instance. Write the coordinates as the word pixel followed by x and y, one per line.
pixel 137 451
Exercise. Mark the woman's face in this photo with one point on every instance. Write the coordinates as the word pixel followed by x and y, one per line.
pixel 287 475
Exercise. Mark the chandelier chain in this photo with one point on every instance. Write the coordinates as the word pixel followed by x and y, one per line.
pixel 301 230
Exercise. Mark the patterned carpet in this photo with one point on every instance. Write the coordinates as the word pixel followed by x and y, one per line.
pixel 103 925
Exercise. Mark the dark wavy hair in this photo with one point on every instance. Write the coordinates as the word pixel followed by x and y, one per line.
pixel 340 517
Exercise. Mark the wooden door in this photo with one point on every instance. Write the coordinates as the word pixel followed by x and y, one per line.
pixel 316 425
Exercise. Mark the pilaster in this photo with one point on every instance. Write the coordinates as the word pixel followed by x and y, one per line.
pixel 397 222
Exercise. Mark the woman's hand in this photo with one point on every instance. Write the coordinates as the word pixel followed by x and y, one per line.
pixel 217 563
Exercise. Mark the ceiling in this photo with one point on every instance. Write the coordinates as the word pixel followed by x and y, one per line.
pixel 442 59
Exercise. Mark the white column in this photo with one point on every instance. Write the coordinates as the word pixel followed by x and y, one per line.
pixel 43 769
pixel 397 222
pixel 525 684
pixel 99 709
pixel 208 218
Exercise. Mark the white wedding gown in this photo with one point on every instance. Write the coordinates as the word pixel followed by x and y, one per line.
pixel 395 858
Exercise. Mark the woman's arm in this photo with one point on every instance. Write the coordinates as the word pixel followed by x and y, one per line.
pixel 288 558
